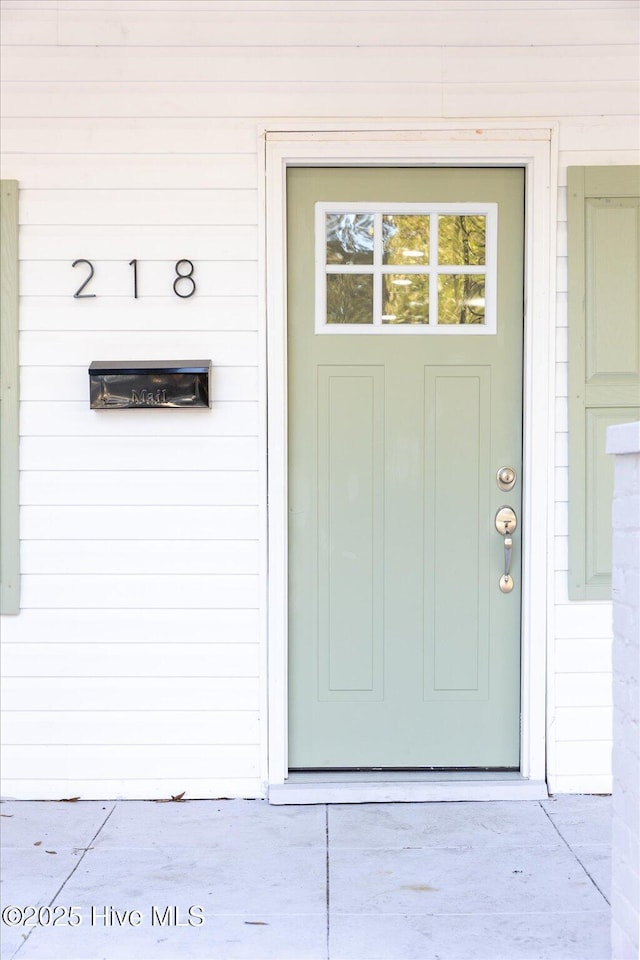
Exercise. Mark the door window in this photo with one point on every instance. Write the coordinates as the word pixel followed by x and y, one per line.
pixel 406 268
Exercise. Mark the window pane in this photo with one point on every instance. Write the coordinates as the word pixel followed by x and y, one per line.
pixel 461 240
pixel 405 239
pixel 349 237
pixel 349 298
pixel 461 298
pixel 405 298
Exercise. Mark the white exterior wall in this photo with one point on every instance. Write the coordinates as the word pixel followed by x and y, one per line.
pixel 137 666
pixel 624 442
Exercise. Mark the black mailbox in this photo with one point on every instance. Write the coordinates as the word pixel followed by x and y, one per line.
pixel 147 384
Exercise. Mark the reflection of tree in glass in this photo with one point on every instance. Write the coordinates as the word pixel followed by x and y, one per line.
pixel 349 237
pixel 461 298
pixel 461 239
pixel 405 298
pixel 349 298
pixel 406 239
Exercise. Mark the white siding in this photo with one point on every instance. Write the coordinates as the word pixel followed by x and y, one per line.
pixel 136 667
pixel 624 442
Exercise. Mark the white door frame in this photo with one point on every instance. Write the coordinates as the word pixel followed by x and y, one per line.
pixel 509 143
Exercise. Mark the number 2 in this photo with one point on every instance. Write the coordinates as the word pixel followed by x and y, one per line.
pixel 79 294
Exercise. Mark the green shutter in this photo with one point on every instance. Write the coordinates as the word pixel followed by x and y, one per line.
pixel 604 357
pixel 9 538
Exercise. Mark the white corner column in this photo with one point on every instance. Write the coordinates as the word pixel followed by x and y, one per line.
pixel 624 442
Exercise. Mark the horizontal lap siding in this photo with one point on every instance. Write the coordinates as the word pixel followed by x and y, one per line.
pixel 139 487
pixel 33 136
pixel 200 727
pixel 429 64
pixel 84 694
pixel 126 136
pixel 168 557
pixel 233 171
pixel 136 667
pixel 138 453
pixel 132 626
pixel 42 419
pixel 72 762
pixel 289 6
pixel 366 100
pixel 132 207
pixel 139 592
pixel 53 349
pixel 133 659
pixel 136 660
pixel 387 25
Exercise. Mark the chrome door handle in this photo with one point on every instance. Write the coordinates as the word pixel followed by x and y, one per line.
pixel 506 522
pixel 508 550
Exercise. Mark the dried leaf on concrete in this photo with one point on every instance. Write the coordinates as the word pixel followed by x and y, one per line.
pixel 178 798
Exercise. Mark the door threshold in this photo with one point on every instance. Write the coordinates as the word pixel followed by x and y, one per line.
pixel 409 787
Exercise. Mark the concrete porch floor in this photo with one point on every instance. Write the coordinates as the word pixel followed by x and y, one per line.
pixel 412 881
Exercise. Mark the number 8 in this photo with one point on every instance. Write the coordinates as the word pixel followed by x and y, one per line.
pixel 184 276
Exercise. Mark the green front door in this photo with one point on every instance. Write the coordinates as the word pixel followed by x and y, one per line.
pixel 405 326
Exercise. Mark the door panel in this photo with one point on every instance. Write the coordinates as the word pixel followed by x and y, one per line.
pixel 403 651
pixel 456 507
pixel 351 517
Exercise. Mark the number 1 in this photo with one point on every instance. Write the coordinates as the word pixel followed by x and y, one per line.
pixel 134 264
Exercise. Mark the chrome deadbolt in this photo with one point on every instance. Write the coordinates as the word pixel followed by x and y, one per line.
pixel 506 478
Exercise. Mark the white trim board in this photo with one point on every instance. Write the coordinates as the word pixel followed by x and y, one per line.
pixel 435 790
pixel 511 145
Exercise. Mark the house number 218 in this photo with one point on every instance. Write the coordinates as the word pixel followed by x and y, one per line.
pixel 183 285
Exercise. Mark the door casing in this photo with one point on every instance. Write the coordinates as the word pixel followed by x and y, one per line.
pixel 509 144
